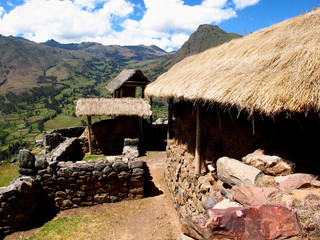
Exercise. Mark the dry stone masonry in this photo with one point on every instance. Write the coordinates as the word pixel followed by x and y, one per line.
pixel 59 181
pixel 228 202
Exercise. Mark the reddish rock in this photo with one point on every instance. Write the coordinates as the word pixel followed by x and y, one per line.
pixel 250 195
pixel 271 165
pixel 270 221
pixel 295 181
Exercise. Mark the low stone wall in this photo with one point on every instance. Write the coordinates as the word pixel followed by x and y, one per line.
pixel 89 183
pixel 62 185
pixel 17 203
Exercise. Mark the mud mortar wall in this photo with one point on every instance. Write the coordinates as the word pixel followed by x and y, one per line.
pixel 234 134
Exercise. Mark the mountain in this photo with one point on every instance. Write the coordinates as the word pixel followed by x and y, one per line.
pixel 206 36
pixel 24 63
pixel 112 51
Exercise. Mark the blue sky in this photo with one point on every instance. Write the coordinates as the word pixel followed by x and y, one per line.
pixel 165 23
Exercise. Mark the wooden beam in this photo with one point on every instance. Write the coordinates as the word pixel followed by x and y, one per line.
pixel 170 111
pixel 141 128
pixel 89 134
pixel 198 141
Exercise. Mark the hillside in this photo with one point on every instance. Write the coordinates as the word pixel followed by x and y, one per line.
pixel 39 83
pixel 141 52
pixel 22 62
pixel 205 37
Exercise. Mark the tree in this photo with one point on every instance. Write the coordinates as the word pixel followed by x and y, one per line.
pixel 40 125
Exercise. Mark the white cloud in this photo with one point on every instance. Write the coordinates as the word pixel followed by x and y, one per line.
pixel 2 11
pixel 165 23
pixel 240 4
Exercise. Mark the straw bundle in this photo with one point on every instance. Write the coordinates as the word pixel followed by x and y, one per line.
pixel 113 107
pixel 274 70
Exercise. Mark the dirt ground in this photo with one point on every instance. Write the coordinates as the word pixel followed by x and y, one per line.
pixel 152 217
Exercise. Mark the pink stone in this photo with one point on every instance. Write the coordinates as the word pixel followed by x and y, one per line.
pixel 247 194
pixel 270 221
pixel 295 181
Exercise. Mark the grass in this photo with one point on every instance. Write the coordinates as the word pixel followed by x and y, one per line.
pixel 7 174
pixel 60 228
pixel 93 157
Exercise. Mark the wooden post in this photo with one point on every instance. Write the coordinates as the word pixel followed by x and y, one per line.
pixel 169 131
pixel 198 141
pixel 89 134
pixel 141 128
pixel 151 110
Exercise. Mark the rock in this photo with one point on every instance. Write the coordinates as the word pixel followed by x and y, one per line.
pixel 131 142
pixel 41 163
pixel 306 203
pixel 270 221
pixel 130 152
pixel 26 159
pixel 52 139
pixel 226 203
pixel 120 166
pixel 234 172
pixel 225 190
pixel 135 164
pixel 247 194
pixel 212 201
pixel 271 165
pixel 295 181
pixel 69 150
pixel 195 227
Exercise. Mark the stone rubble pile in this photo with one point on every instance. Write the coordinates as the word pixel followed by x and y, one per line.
pixel 259 197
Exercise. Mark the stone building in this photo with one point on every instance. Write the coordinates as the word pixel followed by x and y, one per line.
pixel 259 92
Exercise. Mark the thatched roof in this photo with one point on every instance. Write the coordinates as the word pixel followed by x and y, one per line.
pixel 274 70
pixel 113 107
pixel 134 76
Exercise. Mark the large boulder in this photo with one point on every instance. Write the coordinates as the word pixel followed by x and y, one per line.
pixel 265 222
pixel 234 172
pixel 247 194
pixel 269 164
pixel 295 181
pixel 26 162
pixel 270 221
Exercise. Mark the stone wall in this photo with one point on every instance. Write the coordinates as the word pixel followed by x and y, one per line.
pixel 94 182
pixel 189 191
pixel 226 201
pixel 17 203
pixel 46 184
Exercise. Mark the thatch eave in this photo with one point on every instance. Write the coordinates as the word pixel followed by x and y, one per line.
pixel 113 107
pixel 275 70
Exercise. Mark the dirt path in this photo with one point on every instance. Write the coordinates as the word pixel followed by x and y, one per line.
pixel 152 217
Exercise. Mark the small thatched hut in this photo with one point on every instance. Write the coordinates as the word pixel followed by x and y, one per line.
pixel 259 91
pixel 125 84
pixel 110 134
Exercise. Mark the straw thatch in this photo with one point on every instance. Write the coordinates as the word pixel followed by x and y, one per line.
pixel 113 107
pixel 127 75
pixel 274 70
